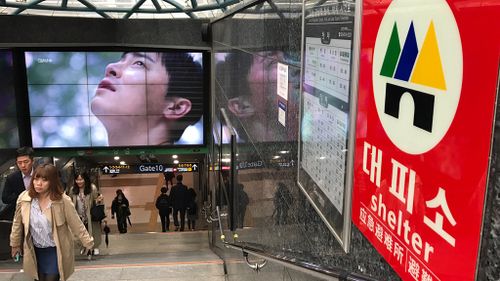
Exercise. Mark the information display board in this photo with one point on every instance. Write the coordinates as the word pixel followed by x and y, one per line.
pixel 325 155
pixel 426 103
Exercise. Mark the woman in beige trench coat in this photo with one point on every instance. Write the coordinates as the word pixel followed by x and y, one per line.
pixel 46 216
pixel 84 195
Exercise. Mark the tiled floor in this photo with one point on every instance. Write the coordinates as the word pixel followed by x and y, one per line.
pixel 143 256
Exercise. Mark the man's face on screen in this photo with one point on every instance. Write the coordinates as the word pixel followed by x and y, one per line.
pixel 134 85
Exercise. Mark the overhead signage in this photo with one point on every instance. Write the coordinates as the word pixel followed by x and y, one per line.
pixel 421 147
pixel 242 165
pixel 149 168
pixel 282 162
pixel 187 167
pixel 116 169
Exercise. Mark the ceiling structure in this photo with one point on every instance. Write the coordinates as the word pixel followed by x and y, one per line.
pixel 118 8
pixel 146 9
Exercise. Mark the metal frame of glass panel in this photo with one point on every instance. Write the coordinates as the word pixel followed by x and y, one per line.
pixel 330 58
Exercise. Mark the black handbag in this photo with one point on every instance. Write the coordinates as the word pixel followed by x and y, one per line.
pixel 97 213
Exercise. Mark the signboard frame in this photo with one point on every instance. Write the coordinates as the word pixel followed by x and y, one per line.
pixel 422 152
pixel 330 14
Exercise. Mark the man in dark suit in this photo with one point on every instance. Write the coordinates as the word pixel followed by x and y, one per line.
pixel 179 197
pixel 17 182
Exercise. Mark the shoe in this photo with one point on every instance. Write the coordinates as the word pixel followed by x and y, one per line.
pixel 96 252
pixel 84 252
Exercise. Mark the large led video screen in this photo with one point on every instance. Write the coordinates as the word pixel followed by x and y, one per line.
pixel 100 99
pixel 9 134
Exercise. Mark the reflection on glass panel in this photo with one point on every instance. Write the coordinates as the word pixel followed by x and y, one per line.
pixel 225 163
pixel 259 92
pixel 216 156
pixel 9 134
pixel 261 110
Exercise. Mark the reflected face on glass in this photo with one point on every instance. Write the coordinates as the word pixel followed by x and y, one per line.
pixel 263 68
pixel 261 79
pixel 134 85
pixel 262 76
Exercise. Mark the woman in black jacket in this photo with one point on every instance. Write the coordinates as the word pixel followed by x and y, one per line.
pixel 120 207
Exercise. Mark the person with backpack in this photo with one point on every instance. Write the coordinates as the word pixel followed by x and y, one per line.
pixel 163 206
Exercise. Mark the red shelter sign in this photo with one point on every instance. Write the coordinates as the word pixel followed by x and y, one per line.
pixel 425 114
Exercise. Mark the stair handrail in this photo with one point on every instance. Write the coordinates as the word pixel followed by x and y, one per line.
pixel 322 272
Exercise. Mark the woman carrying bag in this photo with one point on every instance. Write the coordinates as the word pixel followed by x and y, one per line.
pixel 85 196
pixel 44 224
pixel 120 207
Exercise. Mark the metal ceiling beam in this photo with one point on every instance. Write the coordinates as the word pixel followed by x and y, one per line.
pixel 156 4
pixel 180 7
pixel 134 9
pixel 27 6
pixel 125 10
pixel 94 9
pixel 275 8
pixel 270 10
pixel 35 5
pixel 194 4
pixel 223 9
